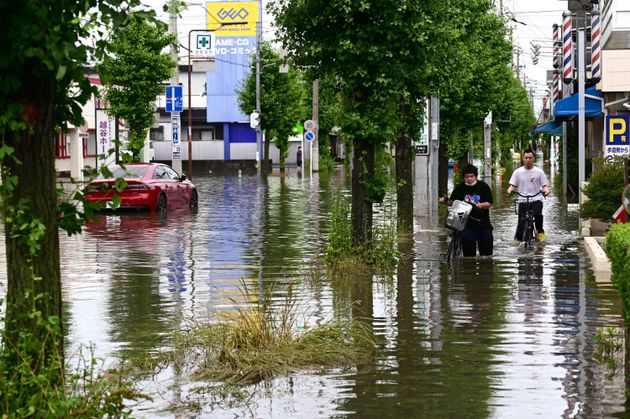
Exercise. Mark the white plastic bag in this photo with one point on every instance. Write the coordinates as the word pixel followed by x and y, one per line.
pixel 458 214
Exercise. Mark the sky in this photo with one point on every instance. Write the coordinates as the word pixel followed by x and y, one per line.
pixel 532 23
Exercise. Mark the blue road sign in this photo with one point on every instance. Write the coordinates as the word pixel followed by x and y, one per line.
pixel 309 135
pixel 174 99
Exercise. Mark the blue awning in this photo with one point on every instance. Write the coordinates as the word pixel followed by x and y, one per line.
pixel 556 131
pixel 548 127
pixel 568 107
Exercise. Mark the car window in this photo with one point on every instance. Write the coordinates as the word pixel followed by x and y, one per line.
pixel 171 173
pixel 159 173
pixel 129 172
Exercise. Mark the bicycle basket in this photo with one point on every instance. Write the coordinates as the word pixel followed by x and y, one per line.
pixel 457 215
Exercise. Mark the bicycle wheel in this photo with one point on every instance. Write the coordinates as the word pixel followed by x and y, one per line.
pixel 528 231
pixel 454 247
pixel 450 249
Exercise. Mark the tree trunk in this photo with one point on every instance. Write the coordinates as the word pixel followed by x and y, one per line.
pixel 362 171
pixel 266 167
pixel 404 181
pixel 283 153
pixel 34 279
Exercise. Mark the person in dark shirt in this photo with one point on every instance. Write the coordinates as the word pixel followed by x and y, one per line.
pixel 478 231
pixel 298 157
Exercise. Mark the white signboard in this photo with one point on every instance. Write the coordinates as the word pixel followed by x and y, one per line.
pixel 421 146
pixel 104 135
pixel 176 135
pixel 488 119
pixel 204 45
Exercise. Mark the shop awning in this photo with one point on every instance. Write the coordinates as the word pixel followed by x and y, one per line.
pixel 568 107
pixel 556 131
pixel 548 127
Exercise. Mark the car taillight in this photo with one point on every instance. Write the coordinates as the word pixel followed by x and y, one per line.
pixel 138 186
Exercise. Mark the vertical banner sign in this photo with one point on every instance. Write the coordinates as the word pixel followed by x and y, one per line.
pixel 234 46
pixel 567 48
pixel 596 52
pixel 104 135
pixel 617 136
pixel 176 135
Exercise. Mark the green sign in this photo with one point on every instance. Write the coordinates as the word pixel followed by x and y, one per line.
pixel 298 128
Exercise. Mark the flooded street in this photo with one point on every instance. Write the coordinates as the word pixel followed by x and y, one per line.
pixel 507 336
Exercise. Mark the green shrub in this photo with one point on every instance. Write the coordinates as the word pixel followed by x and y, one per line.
pixel 340 233
pixel 379 252
pixel 53 390
pixel 603 191
pixel 618 251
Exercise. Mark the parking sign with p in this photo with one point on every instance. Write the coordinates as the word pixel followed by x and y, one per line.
pixel 617 135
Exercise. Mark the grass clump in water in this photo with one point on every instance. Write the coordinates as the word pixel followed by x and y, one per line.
pixel 609 344
pixel 262 342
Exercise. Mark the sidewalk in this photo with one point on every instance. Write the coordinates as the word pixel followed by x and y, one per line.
pixel 594 246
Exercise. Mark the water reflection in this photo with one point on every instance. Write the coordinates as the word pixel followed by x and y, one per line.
pixel 507 336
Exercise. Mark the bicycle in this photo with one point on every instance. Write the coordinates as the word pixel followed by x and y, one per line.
pixel 528 218
pixel 456 220
pixel 454 249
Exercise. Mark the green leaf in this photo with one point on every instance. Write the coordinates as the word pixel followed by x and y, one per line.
pixel 61 71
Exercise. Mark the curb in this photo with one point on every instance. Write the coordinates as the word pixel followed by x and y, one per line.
pixel 599 261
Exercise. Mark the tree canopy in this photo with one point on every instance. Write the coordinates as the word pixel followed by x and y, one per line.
pixel 282 99
pixel 136 69
pixel 47 46
pixel 386 56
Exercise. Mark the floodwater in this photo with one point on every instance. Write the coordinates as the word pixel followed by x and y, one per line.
pixel 508 336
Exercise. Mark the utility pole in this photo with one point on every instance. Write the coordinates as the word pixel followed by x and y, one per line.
pixel 426 163
pixel 581 111
pixel 567 78
pixel 259 150
pixel 176 156
pixel 487 148
pixel 434 157
pixel 315 142
pixel 421 196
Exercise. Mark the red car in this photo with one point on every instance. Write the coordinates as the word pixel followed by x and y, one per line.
pixel 151 186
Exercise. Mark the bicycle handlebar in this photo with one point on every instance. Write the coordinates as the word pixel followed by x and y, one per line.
pixel 528 196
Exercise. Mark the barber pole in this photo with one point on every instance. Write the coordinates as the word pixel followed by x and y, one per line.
pixel 557 46
pixel 596 51
pixel 567 48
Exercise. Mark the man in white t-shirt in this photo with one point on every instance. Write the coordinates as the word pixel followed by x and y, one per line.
pixel 529 180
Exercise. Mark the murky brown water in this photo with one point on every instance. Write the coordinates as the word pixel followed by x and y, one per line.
pixel 510 336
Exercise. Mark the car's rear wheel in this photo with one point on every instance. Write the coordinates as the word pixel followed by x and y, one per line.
pixel 194 199
pixel 161 204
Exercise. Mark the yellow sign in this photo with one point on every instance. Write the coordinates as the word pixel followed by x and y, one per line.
pixel 618 129
pixel 240 17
